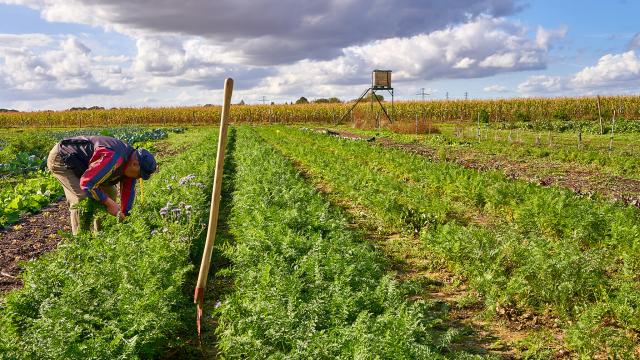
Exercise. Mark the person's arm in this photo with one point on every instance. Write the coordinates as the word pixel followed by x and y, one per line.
pixel 101 166
pixel 127 194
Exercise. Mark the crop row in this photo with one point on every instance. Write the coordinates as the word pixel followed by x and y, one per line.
pixel 306 287
pixel 25 188
pixel 623 159
pixel 118 294
pixel 26 195
pixel 520 245
pixel 524 111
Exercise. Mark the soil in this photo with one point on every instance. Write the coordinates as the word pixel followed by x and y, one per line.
pixel 581 179
pixel 31 236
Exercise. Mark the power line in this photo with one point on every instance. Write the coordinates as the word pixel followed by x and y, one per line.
pixel 422 93
pixel 263 99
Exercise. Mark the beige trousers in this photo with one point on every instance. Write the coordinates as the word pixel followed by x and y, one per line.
pixel 72 190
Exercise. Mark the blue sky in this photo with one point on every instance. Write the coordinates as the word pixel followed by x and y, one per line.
pixel 55 54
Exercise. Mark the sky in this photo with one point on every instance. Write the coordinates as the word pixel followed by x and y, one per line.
pixel 57 54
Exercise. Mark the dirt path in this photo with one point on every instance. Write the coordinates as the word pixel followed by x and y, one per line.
pixel 31 236
pixel 581 179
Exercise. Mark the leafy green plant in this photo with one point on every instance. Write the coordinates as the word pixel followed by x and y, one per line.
pixel 27 195
pixel 304 285
pixel 118 294
pixel 520 245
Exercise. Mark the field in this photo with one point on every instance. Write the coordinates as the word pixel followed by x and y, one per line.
pixel 457 232
pixel 596 115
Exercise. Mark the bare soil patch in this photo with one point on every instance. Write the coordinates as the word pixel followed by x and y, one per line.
pixel 31 236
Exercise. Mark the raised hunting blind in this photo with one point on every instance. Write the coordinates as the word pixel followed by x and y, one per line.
pixel 380 80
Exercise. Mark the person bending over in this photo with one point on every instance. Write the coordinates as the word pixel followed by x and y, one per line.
pixel 92 166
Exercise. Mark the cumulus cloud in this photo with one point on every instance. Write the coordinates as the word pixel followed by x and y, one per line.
pixel 481 47
pixel 611 69
pixel 64 70
pixel 542 84
pixel 621 71
pixel 495 89
pixel 281 48
pixel 23 41
pixel 545 37
pixel 273 32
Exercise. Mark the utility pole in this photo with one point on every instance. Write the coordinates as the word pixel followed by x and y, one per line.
pixel 264 99
pixel 466 95
pixel 447 95
pixel 422 93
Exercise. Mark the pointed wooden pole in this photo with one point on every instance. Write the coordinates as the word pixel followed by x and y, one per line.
pixel 198 297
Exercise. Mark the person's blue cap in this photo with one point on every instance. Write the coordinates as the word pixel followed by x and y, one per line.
pixel 147 163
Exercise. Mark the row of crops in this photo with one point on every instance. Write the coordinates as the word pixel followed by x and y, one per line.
pixel 305 282
pixel 117 295
pixel 521 246
pixel 620 157
pixel 559 114
pixel 26 186
pixel 304 285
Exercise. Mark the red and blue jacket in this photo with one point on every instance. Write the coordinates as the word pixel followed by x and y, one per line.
pixel 103 170
pixel 100 161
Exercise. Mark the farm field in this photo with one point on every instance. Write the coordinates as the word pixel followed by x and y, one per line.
pixel 438 180
pixel 409 246
pixel 590 168
pixel 557 114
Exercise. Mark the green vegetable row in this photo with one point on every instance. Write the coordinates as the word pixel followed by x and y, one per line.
pixel 119 294
pixel 27 195
pixel 623 160
pixel 305 287
pixel 520 245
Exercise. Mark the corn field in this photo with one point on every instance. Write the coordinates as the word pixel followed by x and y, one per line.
pixel 494 111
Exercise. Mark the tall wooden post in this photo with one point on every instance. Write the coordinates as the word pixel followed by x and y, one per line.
pixel 600 116
pixel 198 297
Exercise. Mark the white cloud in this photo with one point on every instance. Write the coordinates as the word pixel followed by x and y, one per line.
pixel 65 70
pixel 495 89
pixel 542 84
pixel 285 48
pixel 272 32
pixel 22 41
pixel 613 71
pixel 479 48
pixel 545 37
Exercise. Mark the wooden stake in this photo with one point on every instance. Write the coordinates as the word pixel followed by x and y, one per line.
pixel 613 126
pixel 479 138
pixel 600 116
pixel 198 297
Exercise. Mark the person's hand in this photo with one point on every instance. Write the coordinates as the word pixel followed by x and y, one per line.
pixel 114 209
